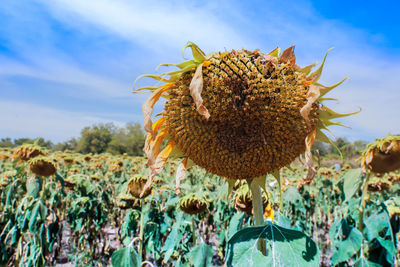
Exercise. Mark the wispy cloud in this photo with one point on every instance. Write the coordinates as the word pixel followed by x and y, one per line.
pixel 156 24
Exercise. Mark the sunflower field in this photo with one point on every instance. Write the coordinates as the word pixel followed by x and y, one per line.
pixel 224 181
pixel 86 214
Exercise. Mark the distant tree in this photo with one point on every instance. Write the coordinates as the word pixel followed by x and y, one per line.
pixel 135 139
pixel 323 149
pixel 71 144
pixel 95 139
pixel 6 142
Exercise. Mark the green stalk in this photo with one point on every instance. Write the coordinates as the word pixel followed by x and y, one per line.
pixel 363 203
pixel 193 229
pixel 258 213
pixel 364 196
pixel 141 233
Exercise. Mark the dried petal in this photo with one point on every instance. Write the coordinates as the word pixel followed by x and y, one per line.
pixel 147 107
pixel 196 86
pixel 288 56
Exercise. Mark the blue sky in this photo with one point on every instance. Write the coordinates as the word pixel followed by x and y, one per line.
pixel 66 64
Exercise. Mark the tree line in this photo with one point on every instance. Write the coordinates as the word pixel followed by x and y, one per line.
pixel 98 138
pixel 130 139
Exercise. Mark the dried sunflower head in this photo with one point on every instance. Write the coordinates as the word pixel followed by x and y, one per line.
pixel 193 204
pixel 136 186
pixel 239 114
pixel 42 166
pixel 243 201
pixel 4 156
pixel 383 155
pixel 131 201
pixel 69 160
pixel 26 152
pixel 87 158
pixel 379 185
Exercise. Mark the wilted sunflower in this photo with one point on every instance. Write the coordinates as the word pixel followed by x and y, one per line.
pixel 42 166
pixel 136 186
pixel 243 201
pixel 383 155
pixel 193 204
pixel 239 114
pixel 26 152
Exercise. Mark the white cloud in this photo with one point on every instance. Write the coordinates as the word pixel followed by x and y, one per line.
pixel 156 24
pixel 29 120
pixel 54 70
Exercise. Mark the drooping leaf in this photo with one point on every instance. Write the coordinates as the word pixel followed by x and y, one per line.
pixel 285 247
pixel 363 262
pixel 201 255
pixel 346 241
pixel 174 237
pixel 235 223
pixel 126 257
pixel 352 181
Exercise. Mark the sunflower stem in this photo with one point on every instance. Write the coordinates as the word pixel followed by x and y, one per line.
pixel 193 228
pixel 141 233
pixel 362 206
pixel 258 212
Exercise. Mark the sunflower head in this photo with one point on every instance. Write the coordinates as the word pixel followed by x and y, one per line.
pixel 239 114
pixel 4 156
pixel 193 204
pixel 383 155
pixel 243 201
pixel 379 185
pixel 42 166
pixel 87 158
pixel 129 200
pixel 95 177
pixel 136 185
pixel 68 161
pixel 27 151
pixel 114 168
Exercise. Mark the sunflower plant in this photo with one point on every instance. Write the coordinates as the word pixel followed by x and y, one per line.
pixel 241 115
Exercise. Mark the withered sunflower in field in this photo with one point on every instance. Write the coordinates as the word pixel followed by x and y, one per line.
pixel 193 204
pixel 239 114
pixel 383 155
pixel 26 152
pixel 42 166
pixel 136 186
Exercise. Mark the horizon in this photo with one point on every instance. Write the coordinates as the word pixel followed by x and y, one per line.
pixel 65 65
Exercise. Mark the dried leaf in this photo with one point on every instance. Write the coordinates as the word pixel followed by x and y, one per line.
pixel 147 107
pixel 309 160
pixel 288 56
pixel 152 147
pixel 312 96
pixel 158 124
pixel 180 175
pixel 196 86
pixel 157 166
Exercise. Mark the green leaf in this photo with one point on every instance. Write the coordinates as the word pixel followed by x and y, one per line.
pixel 352 182
pixel 285 247
pixel 174 237
pixel 363 262
pixel 235 223
pixel 201 255
pixel 346 241
pixel 378 226
pixel 33 186
pixel 126 257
